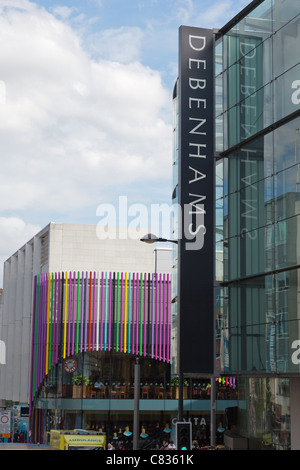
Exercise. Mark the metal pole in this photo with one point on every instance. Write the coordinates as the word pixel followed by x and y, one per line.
pixel 213 412
pixel 136 405
pixel 180 397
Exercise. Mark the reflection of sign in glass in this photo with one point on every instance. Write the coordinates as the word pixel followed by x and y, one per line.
pixel 70 365
pixel 245 87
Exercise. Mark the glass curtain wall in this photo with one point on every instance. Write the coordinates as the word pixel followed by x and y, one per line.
pixel 267 418
pixel 258 198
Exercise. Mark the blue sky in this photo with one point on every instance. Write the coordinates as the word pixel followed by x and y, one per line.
pixel 86 106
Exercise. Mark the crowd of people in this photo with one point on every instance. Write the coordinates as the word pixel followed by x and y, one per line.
pixel 169 445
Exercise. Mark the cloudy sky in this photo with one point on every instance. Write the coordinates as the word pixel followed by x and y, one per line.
pixel 85 106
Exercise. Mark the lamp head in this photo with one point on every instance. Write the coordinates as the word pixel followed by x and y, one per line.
pixel 149 238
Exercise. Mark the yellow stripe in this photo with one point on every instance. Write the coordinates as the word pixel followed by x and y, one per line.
pixel 48 314
pixel 125 315
pixel 65 317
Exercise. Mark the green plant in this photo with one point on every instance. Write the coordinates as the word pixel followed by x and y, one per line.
pixel 80 380
pixel 175 381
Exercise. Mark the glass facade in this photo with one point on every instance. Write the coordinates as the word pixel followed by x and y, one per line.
pixel 256 66
pixel 257 213
pixel 258 190
pixel 266 419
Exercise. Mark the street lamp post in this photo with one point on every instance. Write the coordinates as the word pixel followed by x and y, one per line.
pixel 136 405
pixel 150 238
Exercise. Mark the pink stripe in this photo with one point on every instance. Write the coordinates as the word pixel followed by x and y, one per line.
pixel 82 310
pixel 45 328
pixel 101 324
pixel 121 314
pixel 152 318
pixel 58 316
pixel 94 310
pixel 133 312
pixel 137 314
pixel 156 317
pixel 69 314
pixel 160 316
pixel 86 310
pixel 109 331
pixel 168 320
pixel 73 338
pixel 164 319
pixel 145 311
pixel 54 320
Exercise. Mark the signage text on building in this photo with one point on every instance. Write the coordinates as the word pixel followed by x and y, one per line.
pixel 196 199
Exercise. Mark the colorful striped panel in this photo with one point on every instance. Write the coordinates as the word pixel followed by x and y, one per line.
pixel 76 312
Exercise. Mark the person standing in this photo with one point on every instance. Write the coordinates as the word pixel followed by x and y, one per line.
pixel 172 446
pixel 164 445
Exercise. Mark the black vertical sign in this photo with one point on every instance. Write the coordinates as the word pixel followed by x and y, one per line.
pixel 196 247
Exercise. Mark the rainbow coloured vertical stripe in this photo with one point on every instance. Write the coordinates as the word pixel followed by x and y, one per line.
pixel 98 311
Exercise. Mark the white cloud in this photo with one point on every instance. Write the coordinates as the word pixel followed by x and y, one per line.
pixel 14 234
pixel 73 130
pixel 121 45
pixel 72 127
pixel 23 232
pixel 184 11
pixel 63 11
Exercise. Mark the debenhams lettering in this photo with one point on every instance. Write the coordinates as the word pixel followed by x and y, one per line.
pixel 194 223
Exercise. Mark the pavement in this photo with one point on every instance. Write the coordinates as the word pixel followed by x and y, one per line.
pixel 21 446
